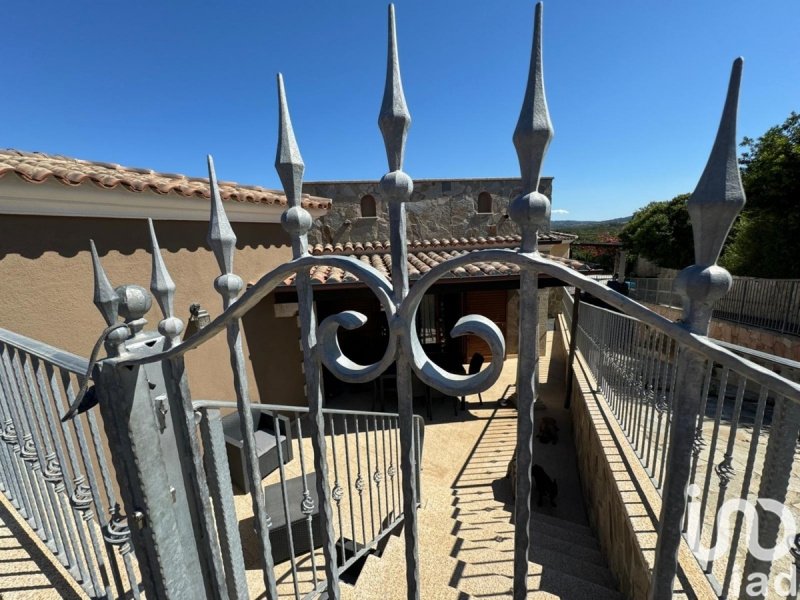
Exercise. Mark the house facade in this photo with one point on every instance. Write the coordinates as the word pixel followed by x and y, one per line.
pixel 51 206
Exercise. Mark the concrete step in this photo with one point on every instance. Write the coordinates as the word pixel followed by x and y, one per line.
pixel 491 577
pixel 572 565
pixel 559 522
pixel 542 528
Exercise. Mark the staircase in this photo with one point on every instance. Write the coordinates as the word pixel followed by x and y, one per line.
pixel 465 521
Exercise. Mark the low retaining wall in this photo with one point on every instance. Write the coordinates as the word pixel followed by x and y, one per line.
pixel 622 503
pixel 763 340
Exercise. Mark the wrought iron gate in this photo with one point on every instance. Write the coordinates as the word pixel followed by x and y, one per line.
pixel 181 525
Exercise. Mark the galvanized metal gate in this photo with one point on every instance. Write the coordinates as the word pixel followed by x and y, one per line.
pixel 174 478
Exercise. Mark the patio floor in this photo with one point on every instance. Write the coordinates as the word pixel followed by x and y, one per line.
pixel 465 519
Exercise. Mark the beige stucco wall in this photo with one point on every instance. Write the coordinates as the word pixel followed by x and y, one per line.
pixel 47 288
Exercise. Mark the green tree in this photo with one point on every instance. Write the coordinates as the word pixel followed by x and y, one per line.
pixel 765 238
pixel 661 233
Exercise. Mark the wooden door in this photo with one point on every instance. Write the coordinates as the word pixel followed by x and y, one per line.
pixel 490 304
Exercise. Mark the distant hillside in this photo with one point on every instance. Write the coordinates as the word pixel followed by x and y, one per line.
pixel 569 226
pixel 592 231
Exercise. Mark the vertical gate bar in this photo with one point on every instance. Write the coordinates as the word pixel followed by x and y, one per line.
pixel 93 486
pixel 286 511
pixel 775 478
pixel 724 470
pixel 390 469
pixel 699 441
pixel 752 452
pixel 296 220
pixel 359 483
pixel 337 492
pixel 531 212
pixel 573 344
pixel 52 473
pixel 385 468
pixel 397 458
pixel 307 503
pixel 394 121
pixel 11 449
pixel 26 475
pixel 349 486
pixel 195 485
pixel 791 289
pixel 712 449
pixel 713 206
pixel 219 486
pixel 669 421
pixel 369 476
pixel 67 483
pixel 223 243
pixel 377 476
pixel 78 483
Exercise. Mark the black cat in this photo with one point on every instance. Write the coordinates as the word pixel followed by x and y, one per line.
pixel 544 485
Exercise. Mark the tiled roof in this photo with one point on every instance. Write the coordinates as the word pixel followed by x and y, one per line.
pixel 472 243
pixel 422 259
pixel 36 167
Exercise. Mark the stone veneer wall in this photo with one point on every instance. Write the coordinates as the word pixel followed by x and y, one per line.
pixel 622 504
pixel 439 208
pixel 763 340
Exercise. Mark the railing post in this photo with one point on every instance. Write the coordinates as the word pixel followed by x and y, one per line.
pixel 716 201
pixel 167 567
pixel 144 448
pixel 573 345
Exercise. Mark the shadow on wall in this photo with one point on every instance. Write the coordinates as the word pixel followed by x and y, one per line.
pixel 32 236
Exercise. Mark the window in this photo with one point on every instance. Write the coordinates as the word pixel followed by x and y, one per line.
pixel 484 202
pixel 368 206
pixel 426 320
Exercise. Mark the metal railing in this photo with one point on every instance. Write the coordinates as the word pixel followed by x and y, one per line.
pixel 744 440
pixel 55 474
pixel 772 304
pixel 364 479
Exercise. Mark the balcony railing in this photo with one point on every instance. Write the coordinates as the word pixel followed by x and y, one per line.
pixel 772 304
pixel 744 441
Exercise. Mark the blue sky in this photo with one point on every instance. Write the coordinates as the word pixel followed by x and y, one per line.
pixel 635 87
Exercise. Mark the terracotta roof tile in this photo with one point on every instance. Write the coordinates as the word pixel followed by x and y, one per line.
pixel 36 167
pixel 422 257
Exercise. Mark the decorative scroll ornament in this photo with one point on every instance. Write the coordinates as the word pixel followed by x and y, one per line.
pixel 81 497
pixel 698 444
pixel 9 434
pixel 725 471
pixel 359 485
pixel 117 532
pixel 337 492
pixel 307 504
pixel 52 469
pixel 391 471
pixel 377 477
pixel 28 450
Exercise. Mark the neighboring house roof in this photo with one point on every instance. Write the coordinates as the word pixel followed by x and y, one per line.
pixel 423 256
pixel 472 243
pixel 37 167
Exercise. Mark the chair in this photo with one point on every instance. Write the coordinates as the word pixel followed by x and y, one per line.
pixel 266 442
pixel 475 364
